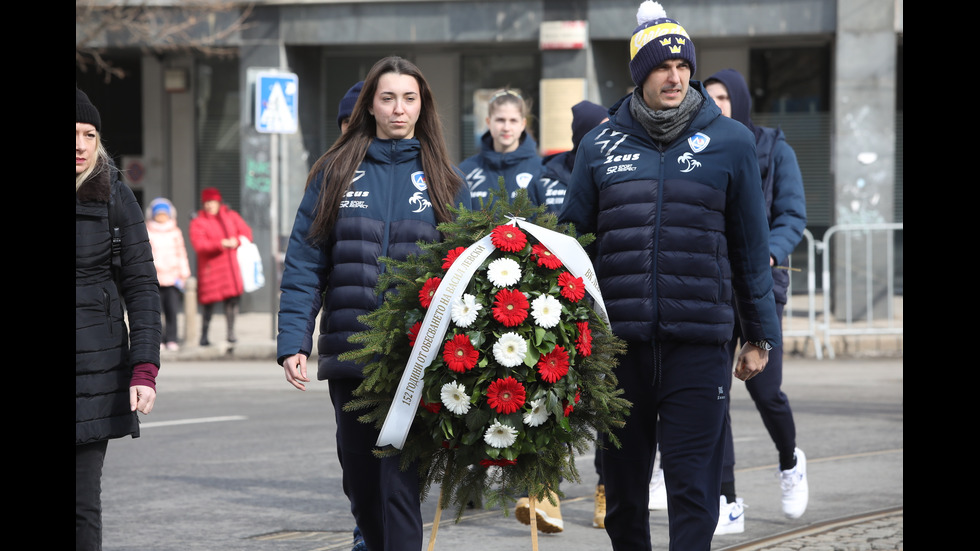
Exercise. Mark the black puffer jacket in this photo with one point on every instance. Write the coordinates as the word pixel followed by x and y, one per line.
pixel 105 351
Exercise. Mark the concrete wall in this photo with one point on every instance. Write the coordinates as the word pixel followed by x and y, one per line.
pixel 864 150
pixel 863 33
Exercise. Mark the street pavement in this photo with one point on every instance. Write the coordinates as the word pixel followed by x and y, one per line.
pixel 234 458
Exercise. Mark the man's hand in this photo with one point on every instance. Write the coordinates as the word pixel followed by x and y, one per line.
pixel 751 361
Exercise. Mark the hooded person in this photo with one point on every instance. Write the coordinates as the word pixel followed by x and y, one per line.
pixel 782 188
pixel 346 106
pixel 782 181
pixel 171 262
pixel 556 171
pixel 216 233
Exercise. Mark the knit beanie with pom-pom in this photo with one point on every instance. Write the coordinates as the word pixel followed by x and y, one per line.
pixel 657 39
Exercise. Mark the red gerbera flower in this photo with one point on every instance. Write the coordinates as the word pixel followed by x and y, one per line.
pixel 583 342
pixel 413 333
pixel 428 290
pixel 434 408
pixel 572 288
pixel 506 395
pixel 451 257
pixel 543 256
pixel 510 307
pixel 553 365
pixel 569 408
pixel 508 238
pixel 498 462
pixel 459 354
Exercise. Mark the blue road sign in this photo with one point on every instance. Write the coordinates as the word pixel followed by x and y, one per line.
pixel 276 99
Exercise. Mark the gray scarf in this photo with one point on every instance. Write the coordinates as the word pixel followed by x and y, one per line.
pixel 666 125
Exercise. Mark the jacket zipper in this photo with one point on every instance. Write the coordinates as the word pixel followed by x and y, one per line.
pixel 106 304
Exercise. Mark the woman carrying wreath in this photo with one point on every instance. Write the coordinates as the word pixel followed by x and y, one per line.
pixel 381 188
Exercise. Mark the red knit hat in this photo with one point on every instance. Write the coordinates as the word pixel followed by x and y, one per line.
pixel 210 194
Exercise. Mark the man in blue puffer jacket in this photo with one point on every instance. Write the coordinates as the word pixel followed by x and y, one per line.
pixel 671 188
pixel 782 187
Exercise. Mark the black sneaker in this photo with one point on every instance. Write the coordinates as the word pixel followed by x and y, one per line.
pixel 205 341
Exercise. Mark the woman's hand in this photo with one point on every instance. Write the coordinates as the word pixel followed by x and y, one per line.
pixel 141 398
pixel 295 368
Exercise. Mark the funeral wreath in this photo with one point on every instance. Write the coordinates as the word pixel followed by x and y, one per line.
pixel 492 355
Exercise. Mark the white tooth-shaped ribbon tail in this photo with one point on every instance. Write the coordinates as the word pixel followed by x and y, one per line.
pixel 428 344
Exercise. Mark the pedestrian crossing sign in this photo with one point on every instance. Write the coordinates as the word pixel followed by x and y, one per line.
pixel 276 97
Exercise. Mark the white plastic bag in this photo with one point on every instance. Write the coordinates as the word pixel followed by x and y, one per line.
pixel 250 262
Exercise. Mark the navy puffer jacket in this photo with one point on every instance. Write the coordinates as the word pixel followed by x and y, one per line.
pixel 549 189
pixel 519 168
pixel 105 349
pixel 680 230
pixel 385 213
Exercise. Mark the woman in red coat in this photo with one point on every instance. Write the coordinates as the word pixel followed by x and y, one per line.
pixel 215 236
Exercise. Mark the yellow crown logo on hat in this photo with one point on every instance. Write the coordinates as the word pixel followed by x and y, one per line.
pixel 675 49
pixel 665 42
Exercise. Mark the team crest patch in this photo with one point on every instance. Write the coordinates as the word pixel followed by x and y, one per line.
pixel 418 180
pixel 698 142
pixel 524 179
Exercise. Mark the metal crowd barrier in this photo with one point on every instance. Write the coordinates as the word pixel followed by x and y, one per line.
pixel 862 234
pixel 809 332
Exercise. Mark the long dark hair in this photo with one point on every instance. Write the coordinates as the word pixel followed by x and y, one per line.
pixel 338 163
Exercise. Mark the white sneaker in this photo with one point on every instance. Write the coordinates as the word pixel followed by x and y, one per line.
pixel 796 491
pixel 658 491
pixel 731 517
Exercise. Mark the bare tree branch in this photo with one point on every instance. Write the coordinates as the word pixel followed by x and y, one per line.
pixel 200 26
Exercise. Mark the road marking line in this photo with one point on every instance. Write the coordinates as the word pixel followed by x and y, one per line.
pixel 193 421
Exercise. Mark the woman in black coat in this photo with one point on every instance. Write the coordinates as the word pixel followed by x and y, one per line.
pixel 115 367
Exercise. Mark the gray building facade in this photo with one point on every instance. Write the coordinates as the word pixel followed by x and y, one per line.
pixel 829 72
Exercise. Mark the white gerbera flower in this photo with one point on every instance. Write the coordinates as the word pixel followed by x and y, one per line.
pixel 454 397
pixel 500 435
pixel 503 272
pixel 510 349
pixel 546 311
pixel 537 415
pixel 465 310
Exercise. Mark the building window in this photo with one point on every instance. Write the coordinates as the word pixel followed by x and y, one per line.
pixel 791 90
pixel 219 129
